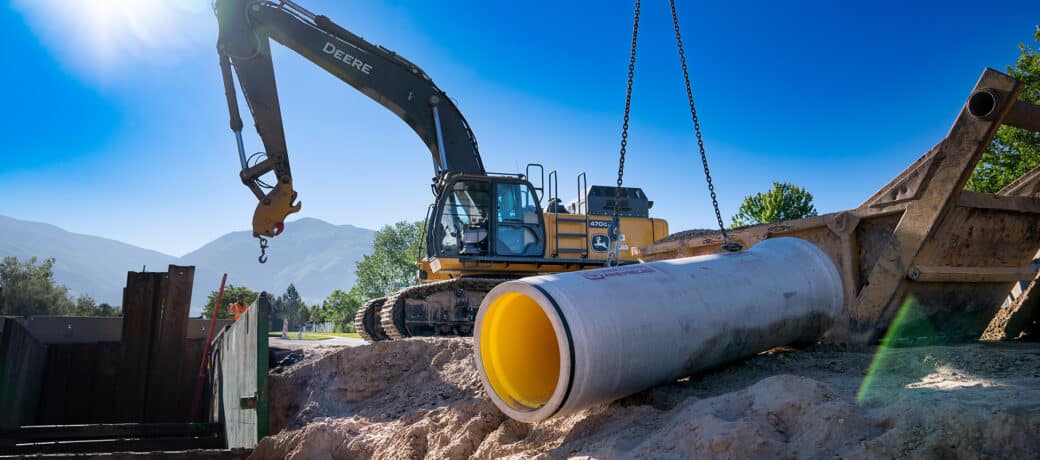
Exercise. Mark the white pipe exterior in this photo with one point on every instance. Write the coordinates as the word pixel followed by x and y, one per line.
pixel 617 331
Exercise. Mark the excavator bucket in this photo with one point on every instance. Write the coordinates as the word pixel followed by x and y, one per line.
pixel 270 214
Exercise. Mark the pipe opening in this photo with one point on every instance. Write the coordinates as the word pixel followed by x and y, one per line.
pixel 519 351
pixel 982 104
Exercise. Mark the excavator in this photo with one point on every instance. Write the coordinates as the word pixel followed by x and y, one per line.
pixel 482 228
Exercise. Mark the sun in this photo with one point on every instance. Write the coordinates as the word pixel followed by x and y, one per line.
pixel 109 23
pixel 104 33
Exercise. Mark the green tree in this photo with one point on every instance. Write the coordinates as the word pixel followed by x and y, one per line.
pixel 340 307
pixel 104 309
pixel 1013 151
pixel 391 265
pixel 231 293
pixel 86 306
pixel 782 202
pixel 29 289
pixel 317 314
pixel 288 306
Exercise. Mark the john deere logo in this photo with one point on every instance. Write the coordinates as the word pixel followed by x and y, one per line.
pixel 600 243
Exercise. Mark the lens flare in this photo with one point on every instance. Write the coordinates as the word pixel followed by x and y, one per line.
pixel 909 324
pixel 101 35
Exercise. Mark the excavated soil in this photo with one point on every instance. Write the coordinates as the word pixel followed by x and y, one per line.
pixel 421 398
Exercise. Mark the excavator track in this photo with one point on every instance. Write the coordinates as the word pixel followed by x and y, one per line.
pixel 439 309
pixel 366 321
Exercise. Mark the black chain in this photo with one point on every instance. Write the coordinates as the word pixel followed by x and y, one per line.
pixel 612 258
pixel 263 249
pixel 728 245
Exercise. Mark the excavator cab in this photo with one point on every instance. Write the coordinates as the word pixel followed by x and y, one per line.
pixel 487 216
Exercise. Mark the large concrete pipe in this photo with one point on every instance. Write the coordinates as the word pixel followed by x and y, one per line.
pixel 554 344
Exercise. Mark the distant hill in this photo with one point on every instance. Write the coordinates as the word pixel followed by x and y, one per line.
pixel 316 256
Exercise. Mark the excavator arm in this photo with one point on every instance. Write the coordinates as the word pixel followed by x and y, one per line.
pixel 246 28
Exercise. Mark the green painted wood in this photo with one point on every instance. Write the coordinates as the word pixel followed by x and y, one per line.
pixel 243 364
pixel 262 367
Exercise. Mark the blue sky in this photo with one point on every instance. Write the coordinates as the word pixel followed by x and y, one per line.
pixel 115 122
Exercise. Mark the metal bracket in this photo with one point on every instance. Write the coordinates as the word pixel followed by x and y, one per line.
pixel 247 402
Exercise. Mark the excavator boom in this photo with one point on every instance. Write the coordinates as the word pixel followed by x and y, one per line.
pixel 246 28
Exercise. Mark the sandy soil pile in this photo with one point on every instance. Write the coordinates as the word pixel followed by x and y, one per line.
pixel 422 398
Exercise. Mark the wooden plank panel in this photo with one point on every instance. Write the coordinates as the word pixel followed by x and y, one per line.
pixel 105 377
pixel 105 447
pixel 1027 185
pixel 151 407
pixel 1013 203
pixel 109 430
pixel 138 300
pixel 990 237
pixel 933 274
pixel 46 413
pixel 165 391
pixel 192 356
pixel 22 364
pixel 55 385
pixel 79 390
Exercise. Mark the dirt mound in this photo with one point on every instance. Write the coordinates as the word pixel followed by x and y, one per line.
pixel 397 399
pixel 422 398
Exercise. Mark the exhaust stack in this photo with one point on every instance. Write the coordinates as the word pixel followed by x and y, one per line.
pixel 555 344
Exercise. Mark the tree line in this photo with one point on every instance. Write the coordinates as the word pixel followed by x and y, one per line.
pixel 388 268
pixel 28 288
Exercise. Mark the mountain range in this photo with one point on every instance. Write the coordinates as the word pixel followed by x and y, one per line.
pixel 314 255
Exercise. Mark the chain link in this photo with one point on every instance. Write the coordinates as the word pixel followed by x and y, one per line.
pixel 615 225
pixel 263 249
pixel 728 245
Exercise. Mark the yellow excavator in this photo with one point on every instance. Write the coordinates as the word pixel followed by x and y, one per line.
pixel 482 229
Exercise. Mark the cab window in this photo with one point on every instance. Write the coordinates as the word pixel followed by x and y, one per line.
pixel 463 225
pixel 517 221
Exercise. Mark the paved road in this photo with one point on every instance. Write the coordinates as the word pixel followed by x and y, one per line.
pixel 333 342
